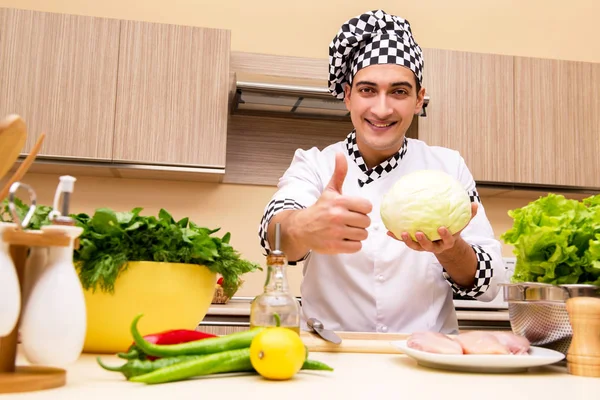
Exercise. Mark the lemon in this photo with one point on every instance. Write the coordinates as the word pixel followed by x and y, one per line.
pixel 277 353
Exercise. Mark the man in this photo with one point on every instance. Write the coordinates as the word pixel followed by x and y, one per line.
pixel 358 276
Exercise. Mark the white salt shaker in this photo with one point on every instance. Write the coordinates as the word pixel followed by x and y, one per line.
pixel 53 325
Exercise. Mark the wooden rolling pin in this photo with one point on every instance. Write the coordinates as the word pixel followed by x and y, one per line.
pixel 583 357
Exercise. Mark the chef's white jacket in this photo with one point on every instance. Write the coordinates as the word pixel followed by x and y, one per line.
pixel 386 286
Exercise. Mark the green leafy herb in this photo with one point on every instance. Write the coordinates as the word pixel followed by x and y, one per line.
pixel 557 240
pixel 39 218
pixel 110 239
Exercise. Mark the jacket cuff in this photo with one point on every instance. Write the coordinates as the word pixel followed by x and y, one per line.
pixel 483 275
pixel 273 208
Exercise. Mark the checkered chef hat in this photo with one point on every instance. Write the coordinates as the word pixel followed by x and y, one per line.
pixel 374 37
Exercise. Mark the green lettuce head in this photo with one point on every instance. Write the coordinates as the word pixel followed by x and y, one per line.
pixel 424 201
pixel 556 240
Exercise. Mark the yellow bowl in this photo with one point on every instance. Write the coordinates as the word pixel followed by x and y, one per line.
pixel 170 295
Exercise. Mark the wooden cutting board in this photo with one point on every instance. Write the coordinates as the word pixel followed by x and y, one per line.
pixel 354 342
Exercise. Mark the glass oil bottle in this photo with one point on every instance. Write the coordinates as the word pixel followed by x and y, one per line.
pixel 276 306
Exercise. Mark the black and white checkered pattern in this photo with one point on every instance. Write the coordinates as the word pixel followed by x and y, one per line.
pixel 483 275
pixel 474 196
pixel 380 170
pixel 274 206
pixel 374 37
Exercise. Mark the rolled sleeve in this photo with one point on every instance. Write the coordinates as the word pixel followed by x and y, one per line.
pixel 298 188
pixel 275 206
pixel 483 275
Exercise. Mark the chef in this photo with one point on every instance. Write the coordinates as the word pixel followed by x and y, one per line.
pixel 357 276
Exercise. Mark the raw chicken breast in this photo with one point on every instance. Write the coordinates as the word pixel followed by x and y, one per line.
pixel 481 343
pixel 433 342
pixel 516 344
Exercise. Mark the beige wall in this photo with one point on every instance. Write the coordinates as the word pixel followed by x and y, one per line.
pixel 538 28
pixel 542 28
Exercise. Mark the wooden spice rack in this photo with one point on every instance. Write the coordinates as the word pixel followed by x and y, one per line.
pixel 14 378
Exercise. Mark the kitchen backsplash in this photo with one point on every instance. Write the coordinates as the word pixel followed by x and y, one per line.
pixel 233 208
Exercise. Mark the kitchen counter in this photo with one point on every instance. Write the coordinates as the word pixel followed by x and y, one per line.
pixel 356 376
pixel 241 308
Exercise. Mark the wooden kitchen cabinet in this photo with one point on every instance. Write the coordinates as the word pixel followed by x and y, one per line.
pixel 172 95
pixel 471 110
pixel 59 72
pixel 557 120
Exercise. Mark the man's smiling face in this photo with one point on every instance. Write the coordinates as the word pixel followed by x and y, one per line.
pixel 382 102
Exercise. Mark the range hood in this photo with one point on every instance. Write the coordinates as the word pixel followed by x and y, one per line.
pixel 302 98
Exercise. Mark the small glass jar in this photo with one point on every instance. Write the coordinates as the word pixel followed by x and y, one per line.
pixel 276 306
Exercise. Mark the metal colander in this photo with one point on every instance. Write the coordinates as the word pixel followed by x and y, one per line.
pixel 538 312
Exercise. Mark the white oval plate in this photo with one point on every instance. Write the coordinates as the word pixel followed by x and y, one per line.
pixel 490 363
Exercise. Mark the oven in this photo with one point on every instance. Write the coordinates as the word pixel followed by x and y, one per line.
pixel 498 303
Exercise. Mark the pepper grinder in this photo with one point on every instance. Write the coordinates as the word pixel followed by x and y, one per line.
pixel 276 306
pixel 583 356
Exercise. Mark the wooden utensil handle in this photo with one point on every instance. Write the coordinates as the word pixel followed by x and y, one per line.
pixel 583 357
pixel 22 170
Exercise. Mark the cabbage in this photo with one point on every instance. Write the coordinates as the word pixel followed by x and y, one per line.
pixel 424 201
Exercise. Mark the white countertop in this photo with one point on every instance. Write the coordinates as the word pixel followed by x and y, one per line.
pixel 356 376
pixel 242 308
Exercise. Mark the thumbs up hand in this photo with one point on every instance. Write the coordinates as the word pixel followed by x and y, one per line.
pixel 336 223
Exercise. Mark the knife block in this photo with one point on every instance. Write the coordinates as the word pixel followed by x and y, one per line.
pixel 15 378
pixel 583 356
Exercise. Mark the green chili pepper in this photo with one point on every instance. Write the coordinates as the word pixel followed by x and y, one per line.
pixel 237 340
pixel 173 336
pixel 227 361
pixel 132 354
pixel 237 360
pixel 316 365
pixel 137 367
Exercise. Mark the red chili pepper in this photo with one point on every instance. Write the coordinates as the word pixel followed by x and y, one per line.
pixel 220 281
pixel 174 336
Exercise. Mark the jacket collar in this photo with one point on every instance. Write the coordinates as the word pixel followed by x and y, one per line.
pixel 379 171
